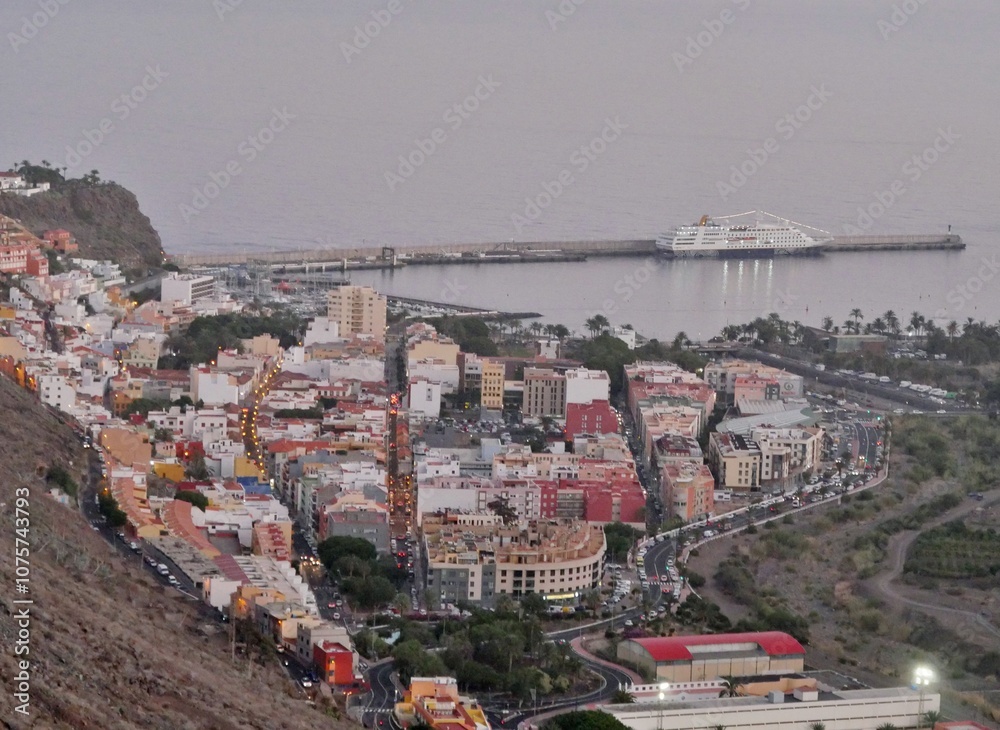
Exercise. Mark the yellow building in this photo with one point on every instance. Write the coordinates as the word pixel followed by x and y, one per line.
pixel 357 310
pixel 142 353
pixel 262 345
pixel 12 348
pixel 435 701
pixel 171 472
pixel 492 385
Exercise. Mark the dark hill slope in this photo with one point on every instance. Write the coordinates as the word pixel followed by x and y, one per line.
pixel 110 649
pixel 105 219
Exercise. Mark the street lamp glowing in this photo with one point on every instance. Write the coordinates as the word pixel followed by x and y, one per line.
pixel 923 676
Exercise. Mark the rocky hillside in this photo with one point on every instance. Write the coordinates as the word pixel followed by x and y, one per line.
pixel 109 648
pixel 105 218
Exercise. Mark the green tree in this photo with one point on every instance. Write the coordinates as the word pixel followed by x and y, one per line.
pixel 622 697
pixel 501 507
pixel 333 548
pixel 730 687
pixel 196 468
pixel 196 498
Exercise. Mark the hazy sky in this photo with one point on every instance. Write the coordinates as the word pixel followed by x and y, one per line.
pixel 311 104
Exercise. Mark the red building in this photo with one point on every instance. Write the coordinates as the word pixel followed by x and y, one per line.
pixel 596 417
pixel 61 240
pixel 38 263
pixel 620 500
pixel 334 662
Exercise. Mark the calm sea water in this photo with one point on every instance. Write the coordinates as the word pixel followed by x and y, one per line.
pixel 281 125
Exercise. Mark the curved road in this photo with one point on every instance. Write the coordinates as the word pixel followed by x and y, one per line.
pixel 896 553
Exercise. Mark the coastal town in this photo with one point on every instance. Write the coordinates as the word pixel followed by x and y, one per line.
pixel 439 521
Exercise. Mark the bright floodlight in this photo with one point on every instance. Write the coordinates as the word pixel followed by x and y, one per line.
pixel 664 686
pixel 923 675
pixel 661 697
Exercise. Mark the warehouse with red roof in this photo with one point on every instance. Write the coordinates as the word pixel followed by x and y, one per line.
pixel 708 656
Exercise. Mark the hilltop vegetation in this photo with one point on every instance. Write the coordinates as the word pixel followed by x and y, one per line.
pixel 103 216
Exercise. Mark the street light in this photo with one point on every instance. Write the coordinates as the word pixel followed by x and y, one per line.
pixel 922 676
pixel 664 686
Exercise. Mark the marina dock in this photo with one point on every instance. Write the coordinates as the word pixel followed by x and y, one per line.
pixel 370 257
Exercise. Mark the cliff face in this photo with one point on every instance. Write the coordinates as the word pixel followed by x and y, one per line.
pixel 104 218
pixel 108 648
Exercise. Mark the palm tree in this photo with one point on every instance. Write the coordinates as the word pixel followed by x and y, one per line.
pixel 887 726
pixel 730 687
pixel 731 332
pixel 857 315
pixel 849 326
pixel 817 726
pixel 622 697
pixel 516 328
pixel 592 326
pixel 878 325
pixel 680 340
pixel 917 322
pixel 931 717
pixel 602 322
pixel 952 329
pixel 401 602
pixel 828 323
pixel 891 321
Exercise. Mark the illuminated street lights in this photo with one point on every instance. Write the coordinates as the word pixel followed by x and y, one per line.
pixel 922 676
pixel 664 686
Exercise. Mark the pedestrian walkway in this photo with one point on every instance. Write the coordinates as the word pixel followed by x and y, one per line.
pixel 577 645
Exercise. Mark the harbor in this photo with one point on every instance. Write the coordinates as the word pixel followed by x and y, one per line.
pixel 382 257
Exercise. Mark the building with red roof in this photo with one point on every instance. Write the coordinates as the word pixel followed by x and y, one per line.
pixel 708 656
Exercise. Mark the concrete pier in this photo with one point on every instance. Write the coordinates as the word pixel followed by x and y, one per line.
pixel 527 252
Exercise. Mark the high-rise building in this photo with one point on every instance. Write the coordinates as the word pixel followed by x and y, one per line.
pixel 544 393
pixel 492 385
pixel 357 310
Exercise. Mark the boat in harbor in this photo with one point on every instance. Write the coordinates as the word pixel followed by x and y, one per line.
pixel 728 236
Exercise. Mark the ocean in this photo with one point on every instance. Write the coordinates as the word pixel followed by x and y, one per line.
pixel 246 125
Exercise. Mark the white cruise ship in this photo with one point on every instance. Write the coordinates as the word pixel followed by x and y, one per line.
pixel 742 240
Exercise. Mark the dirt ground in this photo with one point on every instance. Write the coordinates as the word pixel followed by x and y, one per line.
pixel 866 627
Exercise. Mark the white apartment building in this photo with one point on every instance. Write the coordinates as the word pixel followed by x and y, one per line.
pixel 185 289
pixel 424 398
pixel 321 330
pixel 56 391
pixel 586 386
